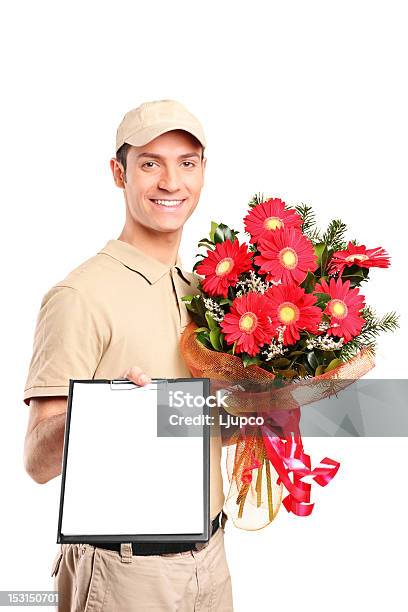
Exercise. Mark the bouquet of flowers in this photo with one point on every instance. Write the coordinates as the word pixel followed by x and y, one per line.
pixel 276 315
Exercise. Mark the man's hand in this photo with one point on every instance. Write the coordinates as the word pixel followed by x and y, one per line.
pixel 136 375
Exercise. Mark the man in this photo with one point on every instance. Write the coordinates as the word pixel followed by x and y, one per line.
pixel 120 314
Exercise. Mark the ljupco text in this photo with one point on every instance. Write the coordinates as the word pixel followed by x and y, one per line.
pixel 225 420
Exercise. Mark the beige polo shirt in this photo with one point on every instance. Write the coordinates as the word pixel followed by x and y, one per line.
pixel 117 309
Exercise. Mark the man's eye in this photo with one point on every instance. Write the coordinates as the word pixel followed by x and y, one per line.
pixel 189 162
pixel 149 162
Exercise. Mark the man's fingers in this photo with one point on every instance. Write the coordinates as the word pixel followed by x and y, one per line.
pixel 136 375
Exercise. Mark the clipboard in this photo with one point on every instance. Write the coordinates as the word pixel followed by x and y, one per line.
pixel 128 475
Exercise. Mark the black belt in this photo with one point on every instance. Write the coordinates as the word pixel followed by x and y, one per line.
pixel 157 548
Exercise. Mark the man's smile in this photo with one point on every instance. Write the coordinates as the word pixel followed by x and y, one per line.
pixel 168 203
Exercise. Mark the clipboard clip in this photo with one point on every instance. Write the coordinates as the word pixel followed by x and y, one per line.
pixel 124 384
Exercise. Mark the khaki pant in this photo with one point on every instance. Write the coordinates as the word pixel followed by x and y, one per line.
pixel 91 579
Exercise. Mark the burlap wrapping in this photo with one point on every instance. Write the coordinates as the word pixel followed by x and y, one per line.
pixel 254 496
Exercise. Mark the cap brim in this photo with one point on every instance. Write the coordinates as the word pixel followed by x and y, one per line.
pixel 148 134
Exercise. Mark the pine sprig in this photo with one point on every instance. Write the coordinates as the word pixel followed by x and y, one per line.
pixel 258 198
pixel 373 327
pixel 308 215
pixel 309 227
pixel 333 237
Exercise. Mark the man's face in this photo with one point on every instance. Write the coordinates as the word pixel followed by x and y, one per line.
pixel 164 179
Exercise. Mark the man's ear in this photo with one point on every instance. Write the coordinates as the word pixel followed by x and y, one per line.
pixel 118 173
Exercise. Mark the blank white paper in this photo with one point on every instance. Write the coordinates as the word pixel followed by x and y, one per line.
pixel 120 477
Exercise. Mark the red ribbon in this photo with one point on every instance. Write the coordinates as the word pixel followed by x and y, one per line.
pixel 247 472
pixel 287 455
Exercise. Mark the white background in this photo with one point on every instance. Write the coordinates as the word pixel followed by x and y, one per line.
pixel 301 100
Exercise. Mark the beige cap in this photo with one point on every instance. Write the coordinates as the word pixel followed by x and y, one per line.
pixel 142 124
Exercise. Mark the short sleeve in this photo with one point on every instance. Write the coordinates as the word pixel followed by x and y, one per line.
pixel 68 343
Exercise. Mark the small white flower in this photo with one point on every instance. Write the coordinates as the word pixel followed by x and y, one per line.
pixel 273 350
pixel 325 343
pixel 214 309
pixel 254 283
pixel 281 330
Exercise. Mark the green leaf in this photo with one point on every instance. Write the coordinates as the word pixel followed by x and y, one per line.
pixel 319 370
pixel 247 361
pixel 200 329
pixel 215 338
pixel 196 306
pixel 187 298
pixel 318 249
pixel 204 339
pixel 206 243
pixel 322 299
pixel 219 235
pixel 312 360
pixel 352 271
pixel 223 232
pixel 231 293
pixel 333 364
pixel 355 279
pixel 355 275
pixel 322 296
pixel 225 301
pixel 309 283
pixel 302 371
pixel 191 307
pixel 214 226
pixel 211 323
pixel 287 373
pixel 322 254
pixel 281 362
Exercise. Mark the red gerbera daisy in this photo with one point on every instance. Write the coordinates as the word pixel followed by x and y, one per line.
pixel 248 323
pixel 223 265
pixel 360 256
pixel 286 256
pixel 292 307
pixel 343 308
pixel 263 219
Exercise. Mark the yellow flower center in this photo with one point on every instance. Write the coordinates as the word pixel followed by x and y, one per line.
pixel 288 258
pixel 288 313
pixel 338 308
pixel 273 223
pixel 224 266
pixel 359 256
pixel 248 322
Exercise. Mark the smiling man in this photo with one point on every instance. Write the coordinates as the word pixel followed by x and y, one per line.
pixel 120 314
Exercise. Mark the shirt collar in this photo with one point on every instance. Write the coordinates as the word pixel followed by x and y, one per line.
pixel 152 269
